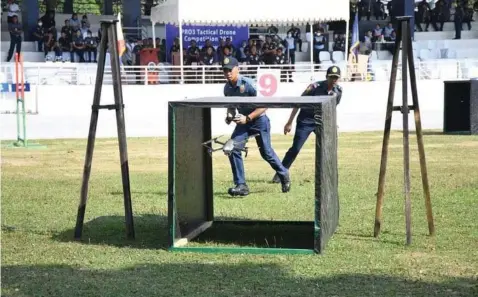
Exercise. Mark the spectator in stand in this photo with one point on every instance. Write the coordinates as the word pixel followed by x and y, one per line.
pixel 49 24
pixel 207 44
pixel 290 43
pixel 149 43
pixel 128 53
pixel 269 51
pixel 227 51
pixel 67 30
pixel 91 47
pixel 78 46
pixel 440 14
pixel 422 15
pixel 319 44
pixel 282 59
pixel 365 9
pixel 295 33
pixel 15 29
pixel 75 23
pixel 13 10
pixel 85 20
pixel 387 31
pixel 174 48
pixel 391 46
pixel 241 53
pixel 339 42
pixel 468 10
pixel 250 43
pixel 377 33
pixel 192 53
pixel 259 46
pixel 52 45
pixel 65 45
pixel 458 20
pixel 137 60
pixel 378 10
pixel 208 58
pixel 162 49
pixel 231 46
pixel 84 30
pixel 220 49
pixel 38 34
pixel 253 58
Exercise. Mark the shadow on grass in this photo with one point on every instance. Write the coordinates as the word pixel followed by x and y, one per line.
pixel 151 232
pixel 370 238
pixel 142 193
pixel 441 133
pixel 214 279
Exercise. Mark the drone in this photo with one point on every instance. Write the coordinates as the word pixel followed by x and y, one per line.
pixel 228 146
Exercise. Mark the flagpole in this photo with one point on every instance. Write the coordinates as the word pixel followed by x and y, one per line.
pixel 347 33
pixel 311 47
pixel 181 53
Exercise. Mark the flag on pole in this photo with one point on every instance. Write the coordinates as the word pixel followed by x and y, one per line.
pixel 355 35
pixel 119 34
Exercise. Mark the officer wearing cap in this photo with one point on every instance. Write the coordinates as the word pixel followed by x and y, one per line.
pixel 305 119
pixel 249 121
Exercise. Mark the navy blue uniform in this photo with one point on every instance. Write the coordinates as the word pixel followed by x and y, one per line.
pixel 305 120
pixel 245 88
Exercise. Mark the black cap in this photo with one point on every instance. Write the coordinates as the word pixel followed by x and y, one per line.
pixel 229 63
pixel 333 71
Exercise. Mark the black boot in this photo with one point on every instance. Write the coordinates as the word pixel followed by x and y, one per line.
pixel 276 179
pixel 239 190
pixel 285 181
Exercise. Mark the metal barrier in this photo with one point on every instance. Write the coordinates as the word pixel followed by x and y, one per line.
pixel 57 73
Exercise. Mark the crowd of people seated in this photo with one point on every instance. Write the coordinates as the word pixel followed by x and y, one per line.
pixel 75 38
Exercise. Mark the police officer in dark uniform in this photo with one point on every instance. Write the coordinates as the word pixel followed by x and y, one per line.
pixel 458 19
pixel 282 59
pixel 253 58
pixel 269 51
pixel 249 121
pixel 305 121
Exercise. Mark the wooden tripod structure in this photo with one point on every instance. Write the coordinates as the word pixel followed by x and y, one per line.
pixel 109 40
pixel 404 39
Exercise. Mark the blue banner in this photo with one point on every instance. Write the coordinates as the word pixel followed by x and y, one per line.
pixel 4 88
pixel 202 33
pixel 8 88
pixel 26 88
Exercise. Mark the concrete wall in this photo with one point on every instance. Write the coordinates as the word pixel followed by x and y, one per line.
pixel 64 111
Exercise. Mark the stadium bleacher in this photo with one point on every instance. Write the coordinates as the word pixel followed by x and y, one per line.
pixel 29 48
pixel 428 46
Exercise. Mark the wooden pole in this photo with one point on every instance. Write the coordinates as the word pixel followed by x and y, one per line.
pixel 421 147
pixel 404 38
pixel 406 132
pixel 109 38
pixel 386 138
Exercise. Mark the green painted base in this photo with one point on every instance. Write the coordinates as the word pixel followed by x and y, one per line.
pixel 241 250
pixel 28 145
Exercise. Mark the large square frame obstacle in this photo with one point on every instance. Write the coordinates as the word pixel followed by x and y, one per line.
pixel 190 190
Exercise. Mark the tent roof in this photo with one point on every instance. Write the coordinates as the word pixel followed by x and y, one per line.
pixel 249 12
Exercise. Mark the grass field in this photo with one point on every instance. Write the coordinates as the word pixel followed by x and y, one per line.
pixel 40 194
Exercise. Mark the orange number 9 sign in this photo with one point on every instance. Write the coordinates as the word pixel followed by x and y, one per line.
pixel 267 82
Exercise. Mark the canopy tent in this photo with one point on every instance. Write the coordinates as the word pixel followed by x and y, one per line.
pixel 248 12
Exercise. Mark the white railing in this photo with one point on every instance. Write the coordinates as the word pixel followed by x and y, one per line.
pixel 84 74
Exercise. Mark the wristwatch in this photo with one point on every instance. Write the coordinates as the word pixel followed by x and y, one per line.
pixel 248 119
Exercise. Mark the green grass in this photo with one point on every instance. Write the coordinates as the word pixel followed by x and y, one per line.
pixel 41 189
